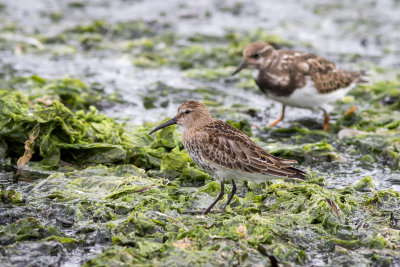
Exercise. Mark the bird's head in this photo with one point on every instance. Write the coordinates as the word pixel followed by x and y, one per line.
pixel 190 114
pixel 254 56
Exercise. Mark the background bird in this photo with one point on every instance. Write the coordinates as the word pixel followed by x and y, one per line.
pixel 297 79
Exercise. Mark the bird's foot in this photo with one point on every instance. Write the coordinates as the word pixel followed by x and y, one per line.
pixel 280 118
pixel 326 126
pixel 350 110
pixel 272 124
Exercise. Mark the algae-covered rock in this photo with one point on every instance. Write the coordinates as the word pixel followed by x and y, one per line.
pixel 321 151
pixel 73 93
pixel 59 131
pixel 175 161
pixel 366 184
pixel 11 196
pixel 289 220
pixel 25 229
pixel 377 147
pixel 374 126
pixel 143 219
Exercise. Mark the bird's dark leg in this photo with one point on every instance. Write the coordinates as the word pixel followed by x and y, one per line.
pixel 280 118
pixel 220 195
pixel 231 195
pixel 326 119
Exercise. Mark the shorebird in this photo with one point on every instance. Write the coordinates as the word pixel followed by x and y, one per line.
pixel 225 152
pixel 297 79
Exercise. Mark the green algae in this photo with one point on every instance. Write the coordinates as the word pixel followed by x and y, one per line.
pixel 151 44
pixel 142 216
pixel 320 151
pixel 80 138
pixel 73 93
pixel 144 219
pixel 11 196
pixel 60 131
pixel 218 61
pixel 375 125
pixel 210 74
pixel 365 184
pixel 27 229
pixel 377 107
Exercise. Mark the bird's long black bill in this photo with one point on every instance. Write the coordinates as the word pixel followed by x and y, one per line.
pixel 172 121
pixel 241 66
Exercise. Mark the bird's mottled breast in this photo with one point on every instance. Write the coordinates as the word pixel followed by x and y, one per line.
pixel 282 76
pixel 195 149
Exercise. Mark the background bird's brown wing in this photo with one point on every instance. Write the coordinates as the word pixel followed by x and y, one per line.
pixel 230 148
pixel 324 73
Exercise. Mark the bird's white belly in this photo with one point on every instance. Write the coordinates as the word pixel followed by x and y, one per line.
pixel 309 97
pixel 226 174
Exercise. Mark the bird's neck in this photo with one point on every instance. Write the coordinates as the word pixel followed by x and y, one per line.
pixel 268 58
pixel 196 125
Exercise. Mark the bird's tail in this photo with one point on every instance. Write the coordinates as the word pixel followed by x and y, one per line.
pixel 291 171
pixel 297 174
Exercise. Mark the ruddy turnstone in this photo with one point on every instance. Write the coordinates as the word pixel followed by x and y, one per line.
pixel 225 152
pixel 297 79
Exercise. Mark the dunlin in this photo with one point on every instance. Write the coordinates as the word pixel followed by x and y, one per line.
pixel 297 79
pixel 225 152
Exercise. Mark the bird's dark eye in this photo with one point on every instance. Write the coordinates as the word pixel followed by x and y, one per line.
pixel 255 56
pixel 187 111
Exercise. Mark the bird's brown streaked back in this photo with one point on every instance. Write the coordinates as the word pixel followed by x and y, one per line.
pixel 324 73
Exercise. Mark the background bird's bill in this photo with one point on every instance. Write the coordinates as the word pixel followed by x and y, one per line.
pixel 241 66
pixel 172 121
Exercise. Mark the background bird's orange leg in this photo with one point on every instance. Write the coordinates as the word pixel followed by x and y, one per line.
pixel 351 110
pixel 280 118
pixel 326 120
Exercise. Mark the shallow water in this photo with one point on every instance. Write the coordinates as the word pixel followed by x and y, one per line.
pixel 356 36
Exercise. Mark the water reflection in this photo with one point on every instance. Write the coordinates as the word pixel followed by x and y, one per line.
pixel 10 175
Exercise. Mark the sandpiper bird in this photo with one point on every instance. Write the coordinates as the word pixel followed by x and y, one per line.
pixel 225 152
pixel 297 79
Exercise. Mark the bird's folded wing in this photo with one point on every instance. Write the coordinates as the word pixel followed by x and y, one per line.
pixel 325 75
pixel 230 148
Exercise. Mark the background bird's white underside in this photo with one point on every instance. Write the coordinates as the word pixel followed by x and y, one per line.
pixel 308 97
